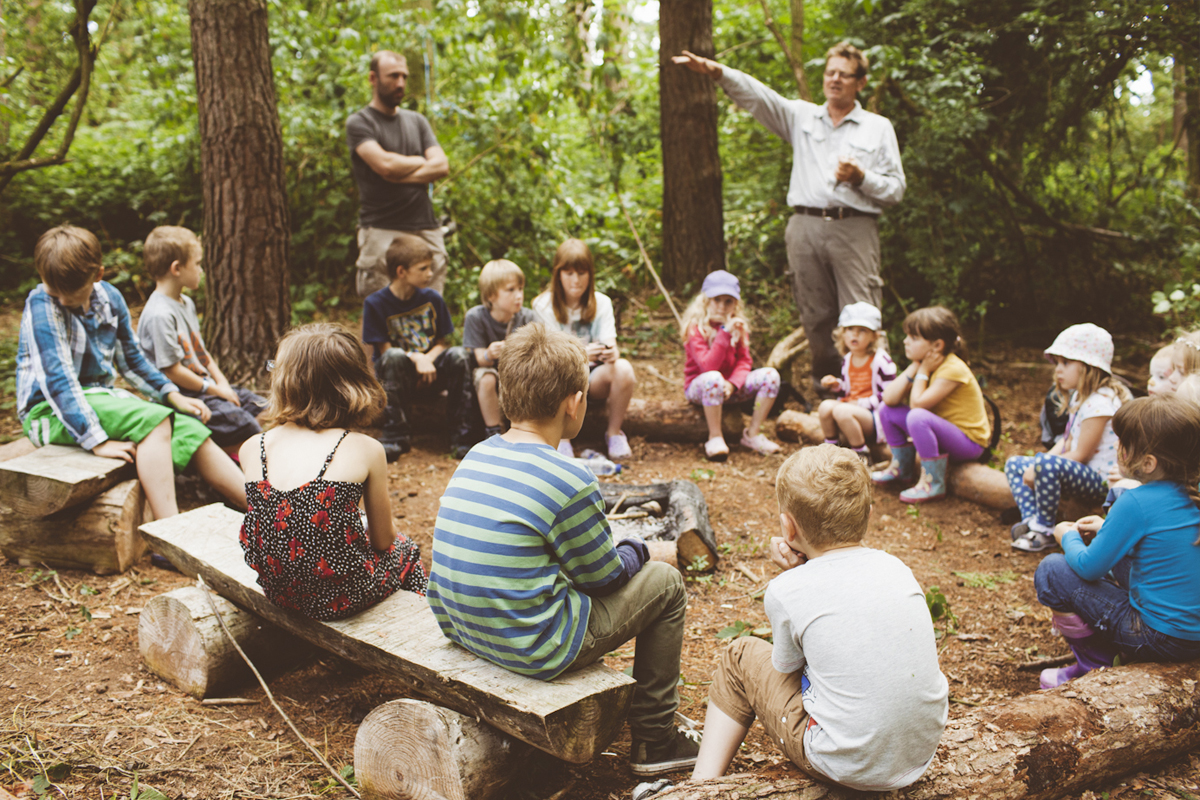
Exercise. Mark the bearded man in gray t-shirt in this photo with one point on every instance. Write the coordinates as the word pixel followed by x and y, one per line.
pixel 395 157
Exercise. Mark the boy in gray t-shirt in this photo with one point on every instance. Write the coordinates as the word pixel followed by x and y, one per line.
pixel 851 688
pixel 169 334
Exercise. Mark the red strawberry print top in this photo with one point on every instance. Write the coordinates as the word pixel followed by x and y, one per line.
pixel 312 553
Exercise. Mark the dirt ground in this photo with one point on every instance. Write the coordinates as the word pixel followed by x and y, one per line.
pixel 84 719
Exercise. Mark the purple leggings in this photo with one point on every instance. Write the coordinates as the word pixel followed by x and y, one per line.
pixel 932 435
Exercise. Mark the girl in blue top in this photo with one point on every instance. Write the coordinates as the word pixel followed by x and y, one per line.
pixel 1132 591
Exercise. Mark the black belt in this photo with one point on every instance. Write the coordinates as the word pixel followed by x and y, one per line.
pixel 839 212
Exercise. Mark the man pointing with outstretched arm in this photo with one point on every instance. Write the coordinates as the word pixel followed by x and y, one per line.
pixel 395 157
pixel 845 171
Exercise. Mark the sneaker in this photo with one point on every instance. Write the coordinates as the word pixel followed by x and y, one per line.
pixel 564 447
pixel 618 445
pixel 1034 542
pixel 393 450
pixel 759 444
pixel 1019 530
pixel 679 752
pixel 646 790
pixel 715 449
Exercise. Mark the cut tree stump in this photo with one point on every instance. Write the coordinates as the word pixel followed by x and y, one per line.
pixel 663 421
pixel 16 448
pixel 411 749
pixel 101 536
pixel 687 514
pixel 572 718
pixel 1036 747
pixel 55 477
pixel 182 642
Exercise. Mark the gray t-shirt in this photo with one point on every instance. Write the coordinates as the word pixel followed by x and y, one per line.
pixel 480 328
pixel 856 622
pixel 383 204
pixel 169 333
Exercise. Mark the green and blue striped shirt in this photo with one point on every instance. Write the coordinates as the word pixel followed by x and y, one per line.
pixel 520 537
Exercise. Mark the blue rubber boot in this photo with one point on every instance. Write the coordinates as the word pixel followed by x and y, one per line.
pixel 932 485
pixel 903 468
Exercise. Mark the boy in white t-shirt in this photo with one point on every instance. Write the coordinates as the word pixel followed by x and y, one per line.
pixel 851 689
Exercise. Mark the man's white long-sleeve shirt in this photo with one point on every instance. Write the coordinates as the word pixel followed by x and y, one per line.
pixel 817 145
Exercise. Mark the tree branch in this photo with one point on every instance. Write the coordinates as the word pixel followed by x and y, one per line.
pixel 797 69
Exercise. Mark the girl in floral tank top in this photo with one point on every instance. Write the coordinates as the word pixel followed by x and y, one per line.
pixel 303 533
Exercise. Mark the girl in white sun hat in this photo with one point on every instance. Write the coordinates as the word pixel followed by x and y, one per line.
pixel 866 370
pixel 1078 465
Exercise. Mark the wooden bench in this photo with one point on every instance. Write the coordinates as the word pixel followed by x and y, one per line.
pixel 573 717
pixel 64 507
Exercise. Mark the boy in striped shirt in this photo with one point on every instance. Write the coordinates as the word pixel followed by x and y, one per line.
pixel 525 573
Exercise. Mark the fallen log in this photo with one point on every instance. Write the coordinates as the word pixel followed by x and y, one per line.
pixel 572 717
pixel 100 536
pixel 796 426
pixel 981 484
pixel 55 477
pixel 411 749
pixel 662 421
pixel 786 349
pixel 181 641
pixel 687 518
pixel 1039 746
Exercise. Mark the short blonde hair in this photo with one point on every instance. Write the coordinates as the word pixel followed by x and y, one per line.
pixel 67 258
pixel 827 491
pixel 167 244
pixel 539 369
pixel 850 53
pixel 1187 351
pixel 494 276
pixel 841 345
pixel 321 379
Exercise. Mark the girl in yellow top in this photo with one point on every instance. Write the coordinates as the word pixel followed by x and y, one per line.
pixel 933 409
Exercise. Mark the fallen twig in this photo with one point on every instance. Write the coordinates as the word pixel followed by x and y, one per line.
pixel 1052 661
pixel 617 505
pixel 228 701
pixel 337 776
pixel 664 378
pixel 755 579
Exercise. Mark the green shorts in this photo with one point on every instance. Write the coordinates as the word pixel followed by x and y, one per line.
pixel 124 418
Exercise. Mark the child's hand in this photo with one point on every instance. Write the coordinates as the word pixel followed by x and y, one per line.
pixel 609 354
pixel 426 371
pixel 831 383
pixel 1089 526
pixel 783 555
pixel 190 406
pixel 931 362
pixel 739 330
pixel 124 451
pixel 225 392
pixel 594 350
pixel 729 390
pixel 1114 475
pixel 1061 529
pixel 1028 476
pixel 493 350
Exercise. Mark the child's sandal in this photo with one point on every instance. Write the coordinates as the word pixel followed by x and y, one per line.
pixel 715 449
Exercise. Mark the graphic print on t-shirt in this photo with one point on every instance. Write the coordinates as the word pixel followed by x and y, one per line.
pixel 195 357
pixel 413 330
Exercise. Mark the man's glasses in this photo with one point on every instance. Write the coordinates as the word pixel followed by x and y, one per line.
pixel 846 76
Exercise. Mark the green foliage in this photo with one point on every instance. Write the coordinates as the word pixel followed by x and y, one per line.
pixel 739 629
pixel 939 608
pixel 1024 125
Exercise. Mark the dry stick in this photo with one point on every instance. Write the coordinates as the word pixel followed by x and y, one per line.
pixel 649 266
pixel 212 604
pixel 664 378
pixel 617 505
pixel 1052 661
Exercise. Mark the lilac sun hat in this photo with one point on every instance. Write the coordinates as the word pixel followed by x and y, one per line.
pixel 1087 343
pixel 721 282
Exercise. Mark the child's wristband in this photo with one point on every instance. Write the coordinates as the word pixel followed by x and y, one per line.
pixel 920 375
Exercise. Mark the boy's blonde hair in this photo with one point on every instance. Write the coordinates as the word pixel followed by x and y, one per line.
pixel 841 346
pixel 1091 381
pixel 321 379
pixel 406 250
pixel 167 244
pixel 494 276
pixel 67 258
pixel 827 491
pixel 1187 351
pixel 540 369
pixel 696 315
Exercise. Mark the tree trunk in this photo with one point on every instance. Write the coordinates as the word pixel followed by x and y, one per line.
pixel 798 48
pixel 1035 747
pixel 246 227
pixel 693 223
pixel 664 421
pixel 182 642
pixel 411 749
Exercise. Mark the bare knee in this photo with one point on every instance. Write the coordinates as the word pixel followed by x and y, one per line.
pixel 827 409
pixel 625 377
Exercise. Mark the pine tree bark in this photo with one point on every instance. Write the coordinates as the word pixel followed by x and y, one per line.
pixel 693 219
pixel 246 226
